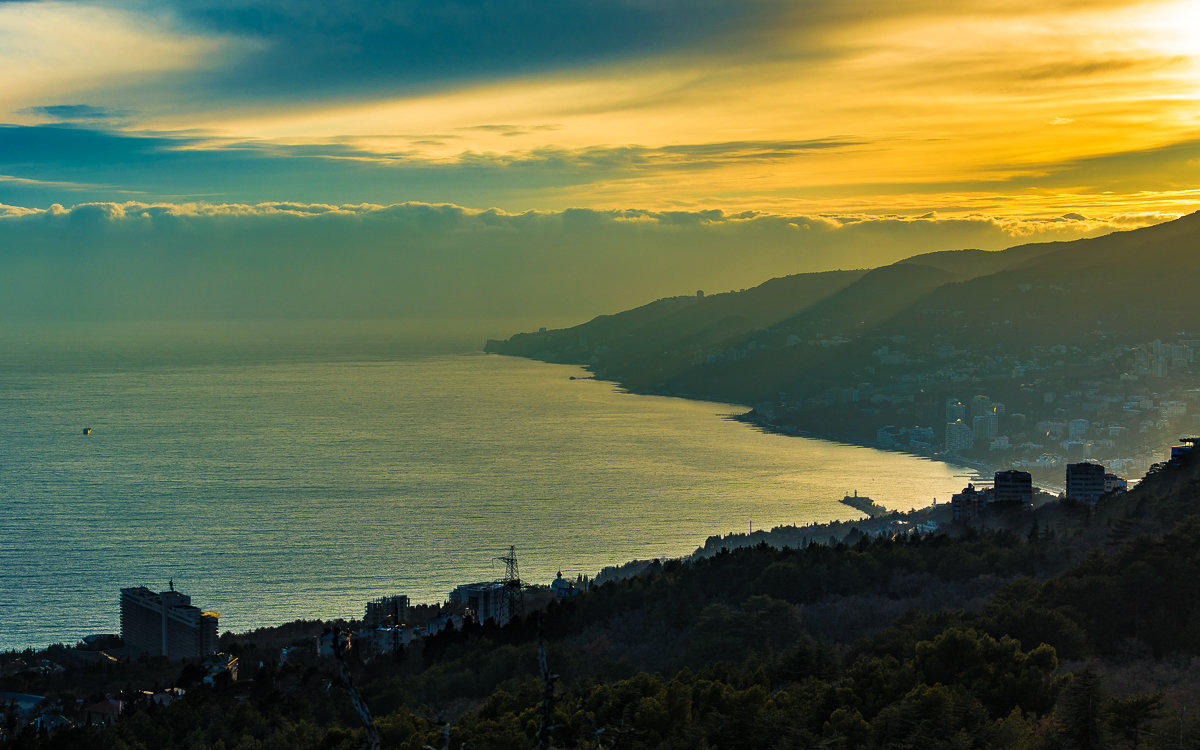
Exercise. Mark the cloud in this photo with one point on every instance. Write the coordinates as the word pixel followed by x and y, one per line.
pixel 69 186
pixel 511 131
pixel 1068 69
pixel 809 107
pixel 54 49
pixel 358 46
pixel 168 166
pixel 77 163
pixel 290 260
pixel 88 114
pixel 604 161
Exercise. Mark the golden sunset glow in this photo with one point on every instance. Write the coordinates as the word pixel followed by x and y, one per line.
pixel 1006 108
pixel 60 49
pixel 894 107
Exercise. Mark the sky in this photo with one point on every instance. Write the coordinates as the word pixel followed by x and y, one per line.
pixel 565 158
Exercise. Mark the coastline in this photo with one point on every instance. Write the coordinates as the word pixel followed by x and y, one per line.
pixel 651 478
pixel 751 418
pixel 981 467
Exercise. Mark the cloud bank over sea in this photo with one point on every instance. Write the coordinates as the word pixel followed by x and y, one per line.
pixel 197 261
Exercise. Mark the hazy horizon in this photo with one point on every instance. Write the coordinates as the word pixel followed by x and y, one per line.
pixel 290 160
pixel 427 263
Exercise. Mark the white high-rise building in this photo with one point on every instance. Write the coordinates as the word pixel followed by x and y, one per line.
pixel 980 406
pixel 984 427
pixel 1077 429
pixel 486 601
pixel 166 624
pixel 955 410
pixel 959 437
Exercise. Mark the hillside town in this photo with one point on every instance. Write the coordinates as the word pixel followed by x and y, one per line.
pixel 167 633
pixel 1055 405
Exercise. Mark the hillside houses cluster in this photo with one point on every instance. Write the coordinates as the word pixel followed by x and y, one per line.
pixel 1036 410
pixel 167 625
pixel 1120 422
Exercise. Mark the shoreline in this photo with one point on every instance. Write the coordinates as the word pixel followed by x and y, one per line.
pixel 829 532
pixel 687 542
pixel 980 467
pixel 749 417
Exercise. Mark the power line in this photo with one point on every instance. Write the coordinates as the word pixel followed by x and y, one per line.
pixel 514 589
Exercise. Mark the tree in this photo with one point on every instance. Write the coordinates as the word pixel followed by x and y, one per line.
pixel 1079 715
pixel 1127 717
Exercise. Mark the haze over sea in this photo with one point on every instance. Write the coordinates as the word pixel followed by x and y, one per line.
pixel 280 474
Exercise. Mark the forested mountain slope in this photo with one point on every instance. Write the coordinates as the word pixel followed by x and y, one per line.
pixel 822 330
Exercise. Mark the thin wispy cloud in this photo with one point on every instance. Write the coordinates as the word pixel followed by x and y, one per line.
pixel 81 113
pixel 73 186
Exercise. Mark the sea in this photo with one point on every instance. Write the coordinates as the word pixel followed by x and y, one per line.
pixel 274 477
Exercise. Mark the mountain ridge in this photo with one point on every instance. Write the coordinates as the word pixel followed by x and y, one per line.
pixel 984 288
pixel 849 355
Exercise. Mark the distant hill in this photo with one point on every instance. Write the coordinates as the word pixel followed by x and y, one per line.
pixel 1136 284
pixel 794 336
pixel 662 336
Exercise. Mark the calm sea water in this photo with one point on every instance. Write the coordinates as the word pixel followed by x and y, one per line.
pixel 272 487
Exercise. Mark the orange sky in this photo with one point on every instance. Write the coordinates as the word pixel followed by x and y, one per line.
pixel 1003 109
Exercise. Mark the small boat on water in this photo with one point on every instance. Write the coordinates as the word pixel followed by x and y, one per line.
pixel 87 430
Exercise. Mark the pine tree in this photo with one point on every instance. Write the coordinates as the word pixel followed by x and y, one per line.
pixel 1079 713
